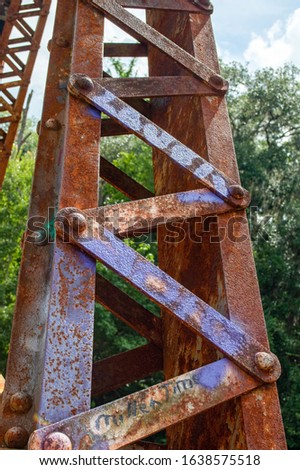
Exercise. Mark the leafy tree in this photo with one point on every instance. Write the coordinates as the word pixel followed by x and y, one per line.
pixel 14 202
pixel 264 111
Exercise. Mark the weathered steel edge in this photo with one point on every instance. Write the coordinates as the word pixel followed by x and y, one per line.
pixel 100 98
pixel 101 244
pixel 136 416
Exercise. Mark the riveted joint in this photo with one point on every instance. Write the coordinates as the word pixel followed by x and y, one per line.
pixel 20 402
pixel 79 83
pixel 238 196
pixel 57 441
pixel 53 124
pixel 70 221
pixel 205 6
pixel 61 41
pixel 16 438
pixel 268 364
pixel 219 83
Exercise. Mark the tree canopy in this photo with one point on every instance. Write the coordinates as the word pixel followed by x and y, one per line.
pixel 263 108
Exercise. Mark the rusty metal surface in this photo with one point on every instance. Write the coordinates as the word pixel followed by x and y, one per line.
pixel 124 368
pixel 102 245
pixel 159 139
pixel 227 279
pixel 154 87
pixel 144 33
pixel 14 82
pixel 128 310
pixel 221 273
pixel 25 361
pixel 138 415
pixel 125 50
pixel 66 378
pixel 193 6
pixel 131 218
pixel 240 280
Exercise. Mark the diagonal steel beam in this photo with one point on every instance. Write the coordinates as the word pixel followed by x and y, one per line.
pixel 124 368
pixel 144 33
pixel 102 245
pixel 203 172
pixel 142 216
pixel 122 182
pixel 143 413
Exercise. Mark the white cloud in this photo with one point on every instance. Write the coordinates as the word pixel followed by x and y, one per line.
pixel 279 45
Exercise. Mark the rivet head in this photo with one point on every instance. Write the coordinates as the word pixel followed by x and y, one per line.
pixel 20 402
pixel 49 45
pixel 236 191
pixel 84 82
pixel 218 82
pixel 264 361
pixel 57 441
pixel 60 41
pixel 52 124
pixel 16 438
pixel 78 222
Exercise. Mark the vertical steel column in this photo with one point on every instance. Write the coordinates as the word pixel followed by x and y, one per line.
pixel 222 274
pixel 66 381
pixel 25 363
pixel 57 284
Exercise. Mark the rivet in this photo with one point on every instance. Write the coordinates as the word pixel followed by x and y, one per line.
pixel 78 222
pixel 20 402
pixel 62 42
pixel 218 82
pixel 57 441
pixel 49 45
pixel 53 124
pixel 16 438
pixel 264 361
pixel 236 191
pixel 84 82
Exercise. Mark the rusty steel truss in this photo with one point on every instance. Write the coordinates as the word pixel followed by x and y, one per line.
pixel 211 342
pixel 19 44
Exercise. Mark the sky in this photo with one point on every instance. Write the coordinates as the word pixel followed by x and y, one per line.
pixel 258 32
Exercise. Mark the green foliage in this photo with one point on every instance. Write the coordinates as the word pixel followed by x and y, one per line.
pixel 264 111
pixel 14 201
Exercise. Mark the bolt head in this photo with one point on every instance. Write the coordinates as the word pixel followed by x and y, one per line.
pixel 84 82
pixel 16 438
pixel 52 124
pixel 20 402
pixel 264 361
pixel 57 441
pixel 78 222
pixel 62 42
pixel 236 191
pixel 218 82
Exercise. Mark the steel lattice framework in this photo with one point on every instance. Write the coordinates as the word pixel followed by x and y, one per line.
pixel 220 376
pixel 19 44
